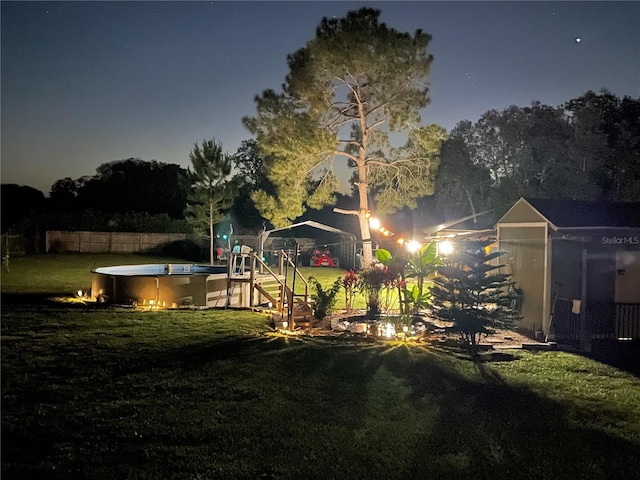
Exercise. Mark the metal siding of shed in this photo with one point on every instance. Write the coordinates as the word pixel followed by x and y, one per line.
pixel 567 269
pixel 527 252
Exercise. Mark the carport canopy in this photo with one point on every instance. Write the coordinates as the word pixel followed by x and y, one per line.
pixel 347 244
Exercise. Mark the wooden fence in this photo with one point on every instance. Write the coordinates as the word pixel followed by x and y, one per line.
pixel 110 242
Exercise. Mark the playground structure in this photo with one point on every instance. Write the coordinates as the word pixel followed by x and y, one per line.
pixel 245 282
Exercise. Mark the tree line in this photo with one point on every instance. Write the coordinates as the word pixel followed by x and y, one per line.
pixel 585 149
pixel 348 90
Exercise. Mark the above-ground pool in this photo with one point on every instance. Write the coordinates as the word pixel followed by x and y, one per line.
pixel 161 285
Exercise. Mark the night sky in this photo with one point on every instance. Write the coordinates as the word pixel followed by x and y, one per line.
pixel 84 83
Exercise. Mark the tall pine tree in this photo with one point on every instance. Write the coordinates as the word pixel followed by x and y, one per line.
pixel 211 190
pixel 347 91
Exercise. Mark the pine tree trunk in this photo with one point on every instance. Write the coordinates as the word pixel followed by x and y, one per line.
pixel 211 237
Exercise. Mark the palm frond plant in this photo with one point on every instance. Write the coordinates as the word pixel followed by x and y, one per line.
pixel 421 265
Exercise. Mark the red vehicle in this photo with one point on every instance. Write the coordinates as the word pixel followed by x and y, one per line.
pixel 323 258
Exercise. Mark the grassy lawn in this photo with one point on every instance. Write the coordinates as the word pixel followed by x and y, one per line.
pixel 41 274
pixel 66 274
pixel 118 393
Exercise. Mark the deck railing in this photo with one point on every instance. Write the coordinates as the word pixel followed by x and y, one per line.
pixel 628 321
pixel 566 324
pixel 605 321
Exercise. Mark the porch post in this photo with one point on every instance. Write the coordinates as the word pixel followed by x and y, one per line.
pixel 585 328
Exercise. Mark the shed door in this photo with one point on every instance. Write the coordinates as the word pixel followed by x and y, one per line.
pixel 627 277
pixel 526 255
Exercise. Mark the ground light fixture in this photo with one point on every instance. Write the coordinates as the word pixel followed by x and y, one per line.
pixel 389 330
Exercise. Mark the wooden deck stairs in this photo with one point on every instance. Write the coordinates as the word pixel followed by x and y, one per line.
pixel 269 289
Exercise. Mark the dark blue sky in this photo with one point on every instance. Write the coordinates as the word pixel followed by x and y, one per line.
pixel 84 83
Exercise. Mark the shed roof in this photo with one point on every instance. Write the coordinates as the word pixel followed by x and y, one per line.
pixel 563 213
pixel 478 222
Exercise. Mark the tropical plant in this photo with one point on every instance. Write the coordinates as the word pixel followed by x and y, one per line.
pixel 349 283
pixel 471 294
pixel 395 276
pixel 324 299
pixel 371 280
pixel 421 265
pixel 415 300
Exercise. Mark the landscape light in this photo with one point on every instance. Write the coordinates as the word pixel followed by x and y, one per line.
pixel 389 330
pixel 374 223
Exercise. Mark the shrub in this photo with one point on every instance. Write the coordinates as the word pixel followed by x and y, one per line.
pixel 324 300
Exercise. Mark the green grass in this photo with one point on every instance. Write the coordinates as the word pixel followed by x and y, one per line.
pixel 64 273
pixel 117 393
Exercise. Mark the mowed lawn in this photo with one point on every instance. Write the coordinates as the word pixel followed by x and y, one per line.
pixel 115 393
